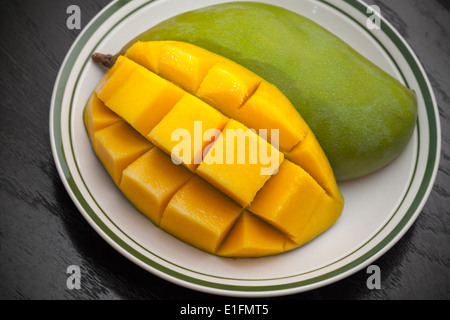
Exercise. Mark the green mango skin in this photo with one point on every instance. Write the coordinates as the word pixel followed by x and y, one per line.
pixel 362 117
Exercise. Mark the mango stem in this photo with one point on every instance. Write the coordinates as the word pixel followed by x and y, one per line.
pixel 103 59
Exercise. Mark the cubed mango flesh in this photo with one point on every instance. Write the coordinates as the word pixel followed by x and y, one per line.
pixel 309 155
pixel 117 146
pixel 143 99
pixel 151 181
pixel 252 237
pixel 181 132
pixel 200 214
pixel 269 109
pixel 227 86
pixel 292 189
pixel 114 77
pixel 234 164
pixel 325 215
pixel 97 116
pixel 253 182
pixel 185 64
pixel 146 54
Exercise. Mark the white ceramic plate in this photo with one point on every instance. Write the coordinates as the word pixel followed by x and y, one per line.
pixel 379 208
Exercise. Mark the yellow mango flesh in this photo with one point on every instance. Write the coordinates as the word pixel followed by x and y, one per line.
pixel 143 99
pixel 185 64
pixel 292 189
pixel 118 146
pixel 236 169
pixel 227 86
pixel 184 115
pixel 114 78
pixel 327 212
pixel 97 116
pixel 224 197
pixel 200 215
pixel 146 54
pixel 151 181
pixel 252 237
pixel 310 156
pixel 269 109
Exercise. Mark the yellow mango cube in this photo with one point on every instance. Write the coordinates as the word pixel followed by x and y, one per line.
pixel 269 109
pixel 185 64
pixel 97 116
pixel 200 215
pixel 288 199
pixel 310 156
pixel 227 86
pixel 189 120
pixel 117 146
pixel 114 77
pixel 143 99
pixel 325 215
pixel 147 54
pixel 252 237
pixel 151 181
pixel 240 162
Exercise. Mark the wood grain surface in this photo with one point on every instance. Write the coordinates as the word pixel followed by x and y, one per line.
pixel 42 232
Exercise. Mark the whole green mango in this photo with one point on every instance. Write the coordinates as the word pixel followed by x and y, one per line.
pixel 362 117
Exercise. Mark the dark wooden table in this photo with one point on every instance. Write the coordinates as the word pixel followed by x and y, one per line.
pixel 42 232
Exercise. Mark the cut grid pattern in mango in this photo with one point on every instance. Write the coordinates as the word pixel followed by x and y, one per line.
pixel 228 210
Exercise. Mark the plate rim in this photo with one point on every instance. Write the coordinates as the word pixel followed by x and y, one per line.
pixel 245 290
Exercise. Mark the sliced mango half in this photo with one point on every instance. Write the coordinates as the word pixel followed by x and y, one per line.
pixel 210 152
